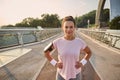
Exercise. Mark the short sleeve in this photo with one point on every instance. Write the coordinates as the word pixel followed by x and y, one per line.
pixel 84 45
pixel 55 44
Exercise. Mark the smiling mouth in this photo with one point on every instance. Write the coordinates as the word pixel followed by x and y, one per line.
pixel 69 32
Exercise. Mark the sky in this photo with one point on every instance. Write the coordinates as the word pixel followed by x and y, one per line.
pixel 14 11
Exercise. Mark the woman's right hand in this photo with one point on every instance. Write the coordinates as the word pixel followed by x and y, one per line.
pixel 59 65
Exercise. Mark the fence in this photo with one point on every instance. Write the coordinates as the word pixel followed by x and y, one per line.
pixel 108 37
pixel 14 37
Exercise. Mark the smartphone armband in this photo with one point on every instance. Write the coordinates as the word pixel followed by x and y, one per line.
pixel 49 47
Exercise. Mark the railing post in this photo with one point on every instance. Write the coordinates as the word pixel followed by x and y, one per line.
pixel 20 38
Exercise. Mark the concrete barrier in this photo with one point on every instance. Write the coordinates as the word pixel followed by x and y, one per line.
pixel 110 37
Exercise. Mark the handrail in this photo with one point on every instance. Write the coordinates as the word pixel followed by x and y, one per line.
pixel 111 39
pixel 28 29
pixel 13 37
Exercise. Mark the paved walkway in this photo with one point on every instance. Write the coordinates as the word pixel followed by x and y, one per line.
pixel 27 66
pixel 10 55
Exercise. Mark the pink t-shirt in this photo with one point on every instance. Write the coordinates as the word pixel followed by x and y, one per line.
pixel 68 54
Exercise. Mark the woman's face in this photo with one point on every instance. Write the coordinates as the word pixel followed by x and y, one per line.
pixel 68 28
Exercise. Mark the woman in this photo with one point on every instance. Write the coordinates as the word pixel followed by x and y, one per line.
pixel 68 48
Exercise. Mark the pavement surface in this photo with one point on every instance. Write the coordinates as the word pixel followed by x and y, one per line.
pixel 27 66
pixel 10 55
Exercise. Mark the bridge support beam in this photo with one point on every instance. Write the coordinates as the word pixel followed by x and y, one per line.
pixel 98 19
pixel 114 11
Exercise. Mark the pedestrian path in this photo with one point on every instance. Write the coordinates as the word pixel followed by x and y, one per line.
pixel 26 66
pixel 10 55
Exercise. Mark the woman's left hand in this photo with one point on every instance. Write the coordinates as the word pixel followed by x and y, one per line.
pixel 59 65
pixel 78 65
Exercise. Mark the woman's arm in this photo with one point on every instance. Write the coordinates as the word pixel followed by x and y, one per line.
pixel 47 51
pixel 85 59
pixel 88 53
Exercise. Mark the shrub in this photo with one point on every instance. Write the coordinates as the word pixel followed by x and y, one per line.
pixel 115 23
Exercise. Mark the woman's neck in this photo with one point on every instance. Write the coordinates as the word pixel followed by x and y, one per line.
pixel 69 37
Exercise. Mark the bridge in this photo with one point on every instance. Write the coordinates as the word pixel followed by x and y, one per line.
pixel 114 11
pixel 23 59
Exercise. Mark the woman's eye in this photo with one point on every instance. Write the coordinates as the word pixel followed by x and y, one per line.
pixel 71 26
pixel 66 27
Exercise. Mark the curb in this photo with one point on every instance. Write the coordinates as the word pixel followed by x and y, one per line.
pixel 38 72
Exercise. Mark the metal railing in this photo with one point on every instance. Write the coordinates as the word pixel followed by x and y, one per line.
pixel 111 39
pixel 14 37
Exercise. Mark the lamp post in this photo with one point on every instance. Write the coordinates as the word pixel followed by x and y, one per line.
pixel 88 23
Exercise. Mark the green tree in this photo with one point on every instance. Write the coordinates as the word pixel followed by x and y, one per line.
pixel 7 26
pixel 105 15
pixel 35 22
pixel 82 20
pixel 25 22
pixel 115 23
pixel 29 22
pixel 50 20
pixel 19 25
